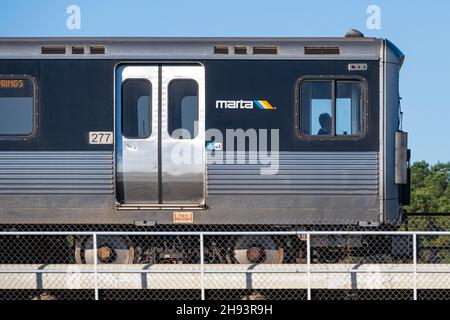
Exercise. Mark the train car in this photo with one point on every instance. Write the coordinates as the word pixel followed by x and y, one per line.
pixel 201 131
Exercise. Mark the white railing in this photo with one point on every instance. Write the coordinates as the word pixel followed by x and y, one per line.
pixel 307 273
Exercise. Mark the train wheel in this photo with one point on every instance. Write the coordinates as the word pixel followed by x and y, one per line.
pixel 111 249
pixel 257 249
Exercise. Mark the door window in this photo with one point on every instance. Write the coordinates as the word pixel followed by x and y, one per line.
pixel 183 109
pixel 137 109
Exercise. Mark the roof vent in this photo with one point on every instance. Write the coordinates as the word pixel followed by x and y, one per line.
pixel 240 50
pixel 97 50
pixel 77 50
pixel 220 50
pixel 53 50
pixel 322 50
pixel 353 33
pixel 265 50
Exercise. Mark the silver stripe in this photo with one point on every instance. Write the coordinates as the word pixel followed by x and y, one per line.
pixel 188 49
pixel 56 172
pixel 309 173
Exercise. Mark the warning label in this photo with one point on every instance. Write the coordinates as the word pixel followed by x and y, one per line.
pixel 183 217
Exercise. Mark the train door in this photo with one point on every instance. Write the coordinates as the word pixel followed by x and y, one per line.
pixel 160 135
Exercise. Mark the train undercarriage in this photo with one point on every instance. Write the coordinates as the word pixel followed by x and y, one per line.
pixel 239 249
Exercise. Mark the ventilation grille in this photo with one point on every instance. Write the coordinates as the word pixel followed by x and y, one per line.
pixel 265 50
pixel 73 50
pixel 220 50
pixel 53 50
pixel 77 50
pixel 260 50
pixel 240 50
pixel 97 50
pixel 322 50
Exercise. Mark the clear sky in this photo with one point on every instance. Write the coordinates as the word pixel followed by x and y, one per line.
pixel 420 28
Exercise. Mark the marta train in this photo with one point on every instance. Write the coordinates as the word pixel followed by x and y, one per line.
pixel 202 131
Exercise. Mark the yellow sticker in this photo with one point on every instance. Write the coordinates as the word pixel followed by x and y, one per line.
pixel 183 217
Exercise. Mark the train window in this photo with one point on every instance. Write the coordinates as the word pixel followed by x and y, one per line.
pixel 183 109
pixel 331 108
pixel 136 108
pixel 317 103
pixel 348 108
pixel 17 107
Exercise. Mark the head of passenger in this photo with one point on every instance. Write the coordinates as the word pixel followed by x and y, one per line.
pixel 325 123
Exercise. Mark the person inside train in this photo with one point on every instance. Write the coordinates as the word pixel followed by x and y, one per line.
pixel 325 123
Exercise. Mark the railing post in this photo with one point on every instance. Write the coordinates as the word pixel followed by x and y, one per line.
pixel 94 244
pixel 202 268
pixel 415 265
pixel 308 264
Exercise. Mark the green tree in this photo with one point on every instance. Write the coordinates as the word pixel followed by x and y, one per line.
pixel 430 190
pixel 430 193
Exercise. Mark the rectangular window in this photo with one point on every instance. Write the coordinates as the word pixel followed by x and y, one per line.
pixel 17 107
pixel 331 108
pixel 137 108
pixel 348 108
pixel 317 102
pixel 183 109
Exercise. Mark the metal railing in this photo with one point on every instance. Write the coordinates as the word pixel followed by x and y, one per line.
pixel 379 264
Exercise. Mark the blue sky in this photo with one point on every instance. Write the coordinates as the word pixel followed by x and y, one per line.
pixel 420 28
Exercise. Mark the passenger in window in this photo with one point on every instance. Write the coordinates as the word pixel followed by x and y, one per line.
pixel 325 123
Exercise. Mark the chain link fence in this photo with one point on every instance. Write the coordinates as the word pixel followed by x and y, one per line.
pixel 226 262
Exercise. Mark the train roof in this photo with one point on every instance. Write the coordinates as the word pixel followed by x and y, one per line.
pixel 187 48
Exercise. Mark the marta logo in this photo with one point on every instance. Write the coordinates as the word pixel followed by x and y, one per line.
pixel 244 104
